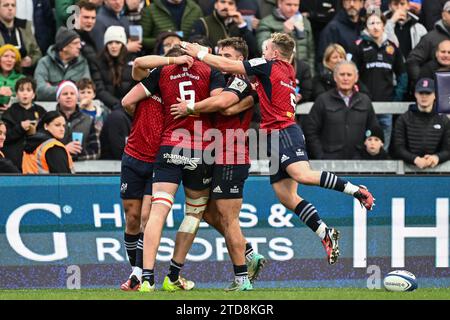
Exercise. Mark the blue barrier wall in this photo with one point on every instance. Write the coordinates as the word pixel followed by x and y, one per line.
pixel 48 223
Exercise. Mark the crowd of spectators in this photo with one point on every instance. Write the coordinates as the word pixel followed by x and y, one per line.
pixel 348 54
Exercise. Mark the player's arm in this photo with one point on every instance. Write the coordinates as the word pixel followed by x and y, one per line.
pixel 218 62
pixel 142 65
pixel 239 107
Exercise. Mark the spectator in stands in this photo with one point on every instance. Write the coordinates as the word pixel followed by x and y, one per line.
pixel 168 15
pixel 6 165
pixel 319 13
pixel 40 13
pixel 441 63
pixel 112 13
pixel 10 72
pixel 165 41
pixel 379 60
pixel 114 135
pixel 62 62
pixel 44 152
pixel 431 12
pixel 324 81
pixel 134 9
pixel 425 50
pixel 85 24
pixel 250 11
pixel 225 22
pixel 115 68
pixel 77 123
pixel 405 25
pixel 93 108
pixel 373 146
pixel 286 18
pixel 18 33
pixel 21 119
pixel 344 29
pixel 339 118
pixel 422 136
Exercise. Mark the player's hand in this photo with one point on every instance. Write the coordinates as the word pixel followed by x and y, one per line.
pixel 179 110
pixel 190 48
pixel 74 147
pixel 184 60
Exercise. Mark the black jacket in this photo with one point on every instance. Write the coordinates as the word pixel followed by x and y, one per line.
pixel 44 24
pixel 335 131
pixel 431 12
pixel 430 68
pixel 304 80
pixel 15 140
pixel 340 30
pixel 425 50
pixel 419 133
pixel 115 132
pixel 56 157
pixel 109 94
pixel 6 166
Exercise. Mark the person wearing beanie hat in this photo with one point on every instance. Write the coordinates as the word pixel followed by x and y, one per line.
pixel 62 62
pixel 10 73
pixel 44 152
pixel 114 65
pixel 374 142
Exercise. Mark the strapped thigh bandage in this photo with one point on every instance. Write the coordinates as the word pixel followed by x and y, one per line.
pixel 163 198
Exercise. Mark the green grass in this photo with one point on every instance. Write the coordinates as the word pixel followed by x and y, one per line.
pixel 217 294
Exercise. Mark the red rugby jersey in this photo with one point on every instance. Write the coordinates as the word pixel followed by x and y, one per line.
pixel 145 135
pixel 276 91
pixel 193 84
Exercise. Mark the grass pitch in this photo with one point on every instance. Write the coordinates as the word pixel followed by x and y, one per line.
pixel 219 294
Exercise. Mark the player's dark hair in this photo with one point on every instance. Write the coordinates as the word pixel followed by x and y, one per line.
pixel 236 43
pixel 175 51
pixel 21 82
pixel 284 43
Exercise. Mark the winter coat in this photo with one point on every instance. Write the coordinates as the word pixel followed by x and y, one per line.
pixel 157 18
pixel 426 49
pixel 61 13
pixel 9 81
pixel 214 29
pixel 266 7
pixel 430 68
pixel 419 133
pixel 50 72
pixel 106 18
pixel 335 131
pixel 115 132
pixel 109 94
pixel 27 39
pixel 6 165
pixel 274 23
pixel 15 140
pixel 81 122
pixel 44 24
pixel 340 30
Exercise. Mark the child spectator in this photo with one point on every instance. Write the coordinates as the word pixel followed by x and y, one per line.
pixel 21 119
pixel 94 108
pixel 374 145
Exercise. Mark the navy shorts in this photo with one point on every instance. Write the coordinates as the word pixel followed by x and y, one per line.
pixel 228 181
pixel 136 178
pixel 291 148
pixel 187 166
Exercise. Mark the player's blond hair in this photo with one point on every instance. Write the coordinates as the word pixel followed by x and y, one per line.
pixel 284 43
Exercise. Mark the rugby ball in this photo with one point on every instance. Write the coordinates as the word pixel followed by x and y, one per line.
pixel 400 280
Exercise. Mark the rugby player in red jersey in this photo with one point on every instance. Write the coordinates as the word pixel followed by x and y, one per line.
pixel 136 180
pixel 232 163
pixel 180 158
pixel 276 90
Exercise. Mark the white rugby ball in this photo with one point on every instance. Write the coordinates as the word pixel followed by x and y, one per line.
pixel 400 280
